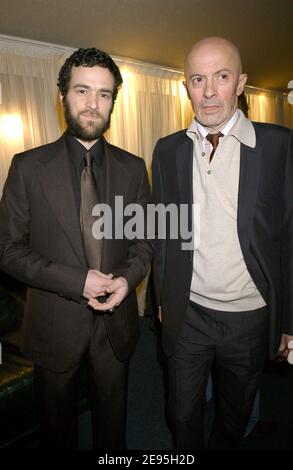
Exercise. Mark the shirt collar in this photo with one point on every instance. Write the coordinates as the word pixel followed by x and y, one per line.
pixel 77 151
pixel 243 131
pixel 238 126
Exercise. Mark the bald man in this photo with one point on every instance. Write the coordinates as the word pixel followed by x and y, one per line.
pixel 226 302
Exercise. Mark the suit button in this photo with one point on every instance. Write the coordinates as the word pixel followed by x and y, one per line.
pixel 187 294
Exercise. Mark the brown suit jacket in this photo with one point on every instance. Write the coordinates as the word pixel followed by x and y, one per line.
pixel 41 245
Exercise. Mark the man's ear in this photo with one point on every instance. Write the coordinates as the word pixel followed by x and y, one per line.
pixel 241 83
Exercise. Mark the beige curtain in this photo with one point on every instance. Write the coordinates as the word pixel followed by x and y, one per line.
pixel 27 106
pixel 269 106
pixel 152 102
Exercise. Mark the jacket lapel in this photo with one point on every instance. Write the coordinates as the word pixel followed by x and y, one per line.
pixel 250 165
pixel 118 180
pixel 184 156
pixel 184 164
pixel 56 180
pixel 118 177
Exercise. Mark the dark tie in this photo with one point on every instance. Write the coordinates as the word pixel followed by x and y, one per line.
pixel 89 197
pixel 214 140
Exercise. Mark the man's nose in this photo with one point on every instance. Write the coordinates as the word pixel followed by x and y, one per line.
pixel 210 89
pixel 92 100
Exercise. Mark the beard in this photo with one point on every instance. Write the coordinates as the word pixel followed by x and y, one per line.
pixel 91 130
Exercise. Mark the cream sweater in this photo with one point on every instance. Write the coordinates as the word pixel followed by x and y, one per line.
pixel 220 278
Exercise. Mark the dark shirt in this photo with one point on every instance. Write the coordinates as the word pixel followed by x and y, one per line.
pixel 76 152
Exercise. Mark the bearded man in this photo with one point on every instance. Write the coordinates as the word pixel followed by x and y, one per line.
pixel 81 304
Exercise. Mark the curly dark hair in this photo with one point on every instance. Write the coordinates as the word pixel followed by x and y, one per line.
pixel 88 58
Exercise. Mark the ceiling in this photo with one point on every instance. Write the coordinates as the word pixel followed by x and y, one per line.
pixel 161 31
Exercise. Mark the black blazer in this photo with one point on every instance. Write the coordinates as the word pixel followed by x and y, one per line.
pixel 41 245
pixel 265 226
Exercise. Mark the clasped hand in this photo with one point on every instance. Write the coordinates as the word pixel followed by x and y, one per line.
pixel 98 284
